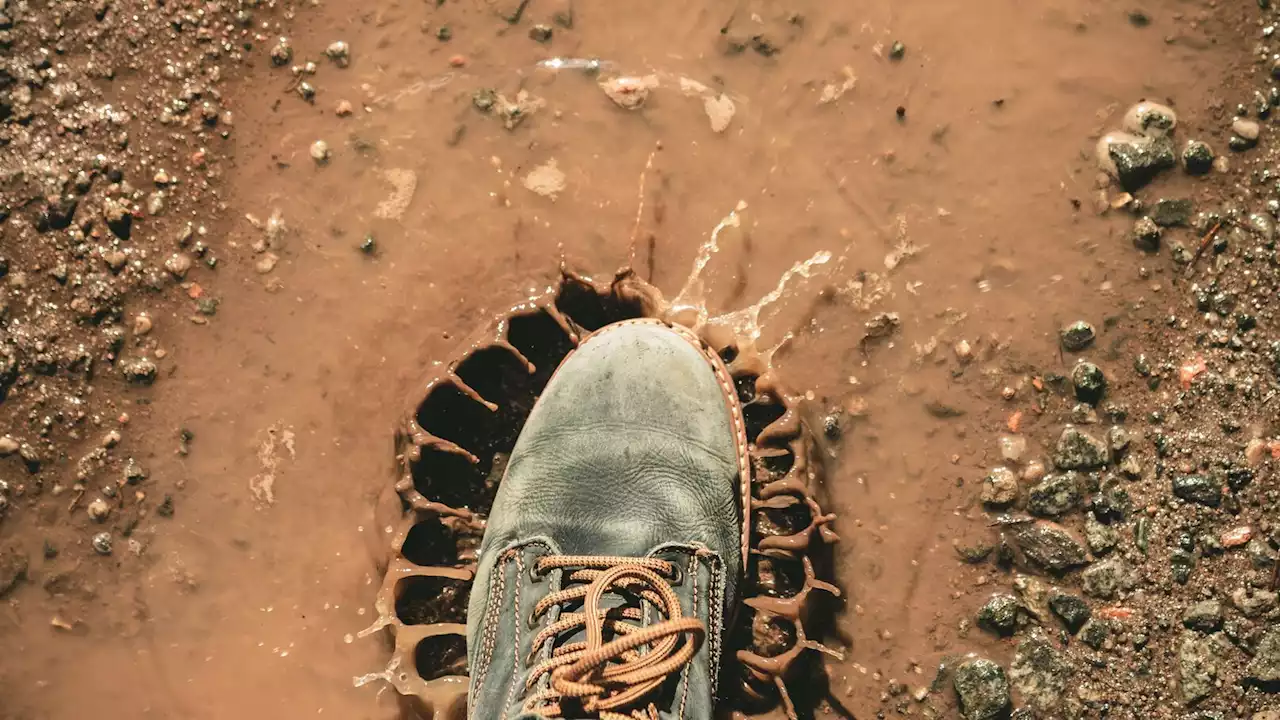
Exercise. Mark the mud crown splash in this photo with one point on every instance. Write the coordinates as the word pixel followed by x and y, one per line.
pixel 453 445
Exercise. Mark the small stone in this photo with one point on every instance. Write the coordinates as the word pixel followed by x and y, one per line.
pixel 140 371
pixel 339 52
pixel 102 543
pixel 1077 336
pixel 1095 632
pixel 8 446
pixel 1197 158
pixel 306 91
pixel 1055 495
pixel 1172 212
pixel 1100 537
pixel 207 305
pixel 1264 669
pixel 1071 609
pixel 281 53
pixel 266 263
pixel 178 264
pixel 1149 120
pixel 1000 615
pixel 1246 129
pixel 1253 603
pixel 369 246
pixel 444 33
pixel 983 690
pixel 1198 489
pixel 1137 160
pixel 1089 382
pixel 98 510
pixel 1102 580
pixel 541 33
pixel 1146 234
pixel 1204 616
pixel 1197 667
pixel 111 439
pixel 133 472
pixel 115 260
pixel 1047 544
pixel 343 109
pixel 1013 447
pixel 141 324
pixel 1131 467
pixel 320 152
pixel 629 93
pixel 1077 450
pixel 166 507
pixel 1040 673
pixel 999 488
pixel 897 50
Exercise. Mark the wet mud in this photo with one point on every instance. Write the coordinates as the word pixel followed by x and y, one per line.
pixel 452 449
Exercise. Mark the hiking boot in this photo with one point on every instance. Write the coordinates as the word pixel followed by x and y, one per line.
pixel 610 564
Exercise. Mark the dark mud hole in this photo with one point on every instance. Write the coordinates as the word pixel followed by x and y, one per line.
pixel 452 453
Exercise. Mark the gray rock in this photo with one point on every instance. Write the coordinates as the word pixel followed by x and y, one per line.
pixel 1197 157
pixel 1146 234
pixel 1172 212
pixel 1055 495
pixel 1000 615
pixel 1100 538
pixel 1253 603
pixel 1095 633
pixel 1102 580
pixel 1131 467
pixel 1089 382
pixel 8 446
pixel 1047 544
pixel 1264 669
pixel 1118 440
pixel 1261 556
pixel 1140 160
pixel 1077 450
pixel 1077 336
pixel 1072 610
pixel 1000 488
pixel 1204 616
pixel 1197 667
pixel 1198 489
pixel 1039 673
pixel 983 690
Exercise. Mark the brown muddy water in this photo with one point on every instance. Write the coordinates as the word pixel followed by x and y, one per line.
pixel 952 185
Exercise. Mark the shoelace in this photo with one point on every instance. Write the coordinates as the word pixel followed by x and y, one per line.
pixel 611 678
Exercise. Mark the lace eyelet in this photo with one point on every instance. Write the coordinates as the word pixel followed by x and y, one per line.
pixel 677 575
pixel 534 575
pixel 533 621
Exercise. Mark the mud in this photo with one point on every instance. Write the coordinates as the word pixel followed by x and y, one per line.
pixel 452 449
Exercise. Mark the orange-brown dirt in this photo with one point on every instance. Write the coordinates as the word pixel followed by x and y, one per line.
pixel 954 186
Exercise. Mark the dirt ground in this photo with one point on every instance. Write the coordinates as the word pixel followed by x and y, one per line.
pixel 955 183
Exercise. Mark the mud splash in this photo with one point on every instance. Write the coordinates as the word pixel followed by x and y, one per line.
pixel 454 443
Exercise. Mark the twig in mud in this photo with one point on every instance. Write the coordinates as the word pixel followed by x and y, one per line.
pixel 1204 244
pixel 635 228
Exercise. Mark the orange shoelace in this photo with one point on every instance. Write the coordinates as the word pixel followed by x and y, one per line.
pixel 611 677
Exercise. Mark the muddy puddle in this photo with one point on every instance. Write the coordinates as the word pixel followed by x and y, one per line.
pixel 950 185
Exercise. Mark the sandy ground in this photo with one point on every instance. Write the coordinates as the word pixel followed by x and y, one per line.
pixel 954 185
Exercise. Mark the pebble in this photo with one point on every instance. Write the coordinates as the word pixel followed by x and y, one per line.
pixel 1047 544
pixel 140 371
pixel 1253 603
pixel 1197 157
pixel 141 324
pixel 541 33
pixel 1055 495
pixel 1264 669
pixel 343 109
pixel 1197 667
pixel 1077 336
pixel 1204 616
pixel 111 439
pixel 1040 674
pixel 178 264
pixel 1000 488
pixel 897 50
pixel 102 543
pixel 1172 212
pixel 8 446
pixel 983 689
pixel 281 53
pixel 1072 610
pixel 1146 234
pixel 339 52
pixel 1101 538
pixel 1078 450
pixel 98 510
pixel 1102 580
pixel 266 263
pixel 1013 447
pixel 1246 129
pixel 1000 615
pixel 1135 160
pixel 306 91
pixel 629 93
pixel 1089 382
pixel 320 152
pixel 1198 489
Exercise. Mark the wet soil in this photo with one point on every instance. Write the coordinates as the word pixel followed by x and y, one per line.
pixel 954 185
